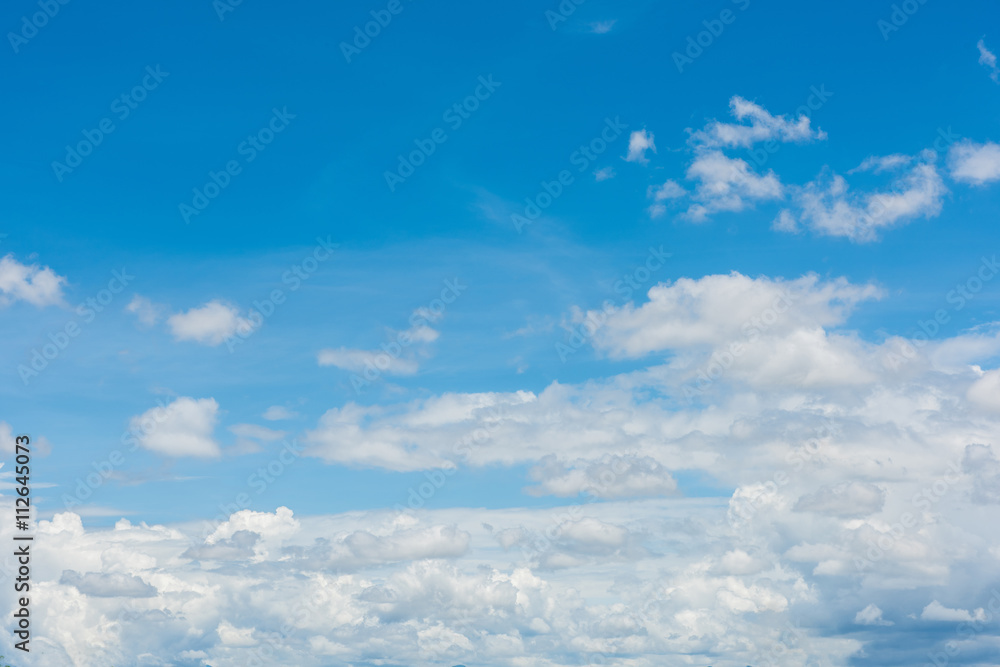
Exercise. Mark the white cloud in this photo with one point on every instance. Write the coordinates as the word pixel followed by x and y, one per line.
pixel 989 60
pixel 739 598
pixel 871 615
pixel 8 442
pixel 648 579
pixel 760 332
pixel 974 163
pixel 257 536
pixel 278 525
pixel 357 361
pixel 718 309
pixel 669 190
pixel 362 547
pixel 604 174
pixel 739 562
pixel 935 611
pixel 108 585
pixel 182 428
pixel 397 357
pixel 446 426
pixel 484 429
pixel 574 541
pixel 279 413
pixel 230 635
pixel 985 392
pixel 785 222
pixel 610 477
pixel 250 436
pixel 241 545
pixel 727 184
pixel 595 532
pixel 878 164
pixel 762 127
pixel 39 286
pixel 827 206
pixel 210 324
pixel 568 582
pixel 602 27
pixel 638 143
pixel 193 655
pixel 147 312
pixel 962 352
pixel 847 499
pixel 981 464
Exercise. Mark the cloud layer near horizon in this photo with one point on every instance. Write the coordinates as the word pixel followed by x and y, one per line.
pixel 864 475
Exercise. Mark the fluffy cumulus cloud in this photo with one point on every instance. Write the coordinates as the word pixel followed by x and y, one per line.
pixel 871 615
pixel 401 541
pixel 453 587
pixel 108 584
pixel 982 466
pixel 847 499
pixel 425 434
pixel 727 184
pixel 38 285
pixel 609 477
pixel 985 392
pixel 828 206
pixel 716 310
pixel 639 142
pixel 210 324
pixel 974 163
pixel 182 428
pixel 936 611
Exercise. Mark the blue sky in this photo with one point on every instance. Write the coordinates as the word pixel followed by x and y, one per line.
pixel 843 154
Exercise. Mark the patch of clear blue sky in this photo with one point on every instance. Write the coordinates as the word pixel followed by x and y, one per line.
pixel 324 175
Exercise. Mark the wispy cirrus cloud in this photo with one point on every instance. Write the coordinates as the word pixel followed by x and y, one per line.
pixel 399 356
pixel 988 60
pixel 147 312
pixel 602 27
